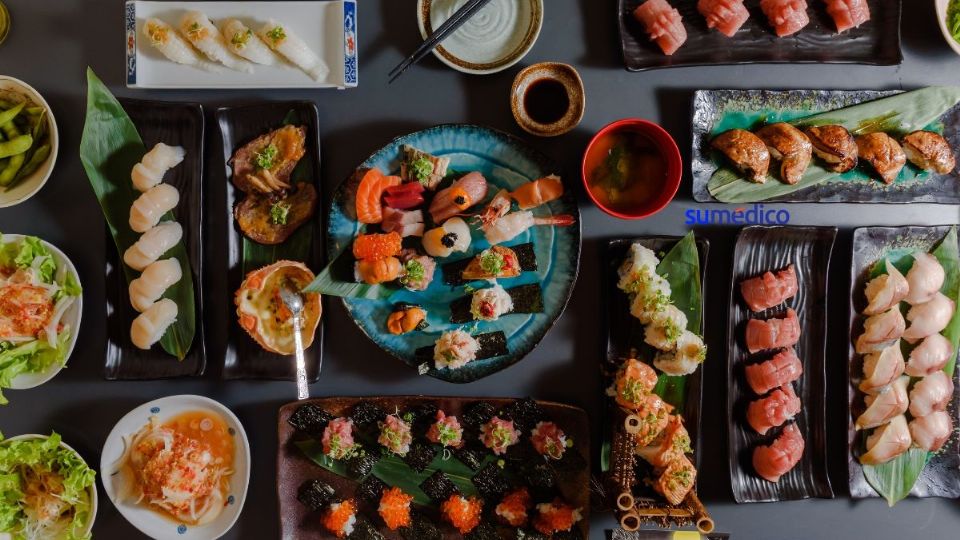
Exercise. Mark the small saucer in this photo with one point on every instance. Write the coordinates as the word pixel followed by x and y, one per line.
pixel 567 76
pixel 495 38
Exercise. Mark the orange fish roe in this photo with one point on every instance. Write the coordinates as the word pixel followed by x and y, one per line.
pixel 376 246
pixel 462 513
pixel 395 508
pixel 513 507
pixel 340 518
pixel 555 517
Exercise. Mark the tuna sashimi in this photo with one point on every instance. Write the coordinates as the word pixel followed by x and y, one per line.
pixel 768 290
pixel 772 462
pixel 663 23
pixel 786 16
pixel 848 14
pixel 773 333
pixel 727 16
pixel 773 410
pixel 784 368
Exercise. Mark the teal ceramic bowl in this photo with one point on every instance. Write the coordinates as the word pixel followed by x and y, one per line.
pixel 506 162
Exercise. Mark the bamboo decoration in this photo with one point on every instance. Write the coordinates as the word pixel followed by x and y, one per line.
pixel 624 465
pixel 629 521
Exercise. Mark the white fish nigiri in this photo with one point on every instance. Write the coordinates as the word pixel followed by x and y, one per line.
pixel 243 42
pixel 887 442
pixel 199 31
pixel 281 39
pixel 885 405
pixel 166 40
pixel 153 282
pixel 929 317
pixel 930 432
pixel 151 205
pixel 881 368
pixel 154 164
pixel 930 355
pixel 152 244
pixel 150 325
pixel 880 331
pixel 931 393
pixel 885 291
pixel 925 278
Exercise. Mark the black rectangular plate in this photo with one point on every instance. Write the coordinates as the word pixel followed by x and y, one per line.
pixel 876 42
pixel 941 476
pixel 243 358
pixel 177 124
pixel 759 249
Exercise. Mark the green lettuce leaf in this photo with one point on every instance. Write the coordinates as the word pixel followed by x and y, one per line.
pixel 34 356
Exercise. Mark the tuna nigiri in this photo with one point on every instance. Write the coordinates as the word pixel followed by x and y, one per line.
pixel 786 16
pixel 848 14
pixel 773 410
pixel 663 23
pixel 727 16
pixel 768 290
pixel 784 368
pixel 369 192
pixel 772 462
pixel 773 333
pixel 464 193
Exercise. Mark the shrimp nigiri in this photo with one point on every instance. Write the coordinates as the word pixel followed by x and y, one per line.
pixel 282 40
pixel 512 225
pixel 197 28
pixel 244 43
pixel 166 40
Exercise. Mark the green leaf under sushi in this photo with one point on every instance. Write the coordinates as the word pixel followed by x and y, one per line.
pixel 109 148
pixel 337 279
pixel 898 114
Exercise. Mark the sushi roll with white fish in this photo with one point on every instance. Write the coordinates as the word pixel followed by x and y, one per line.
pixel 202 34
pixel 243 42
pixel 176 49
pixel 282 40
pixel 154 164
pixel 640 264
pixel 150 325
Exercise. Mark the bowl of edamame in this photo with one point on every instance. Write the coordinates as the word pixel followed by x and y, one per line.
pixel 28 141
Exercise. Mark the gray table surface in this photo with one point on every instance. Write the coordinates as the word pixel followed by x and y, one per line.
pixel 53 41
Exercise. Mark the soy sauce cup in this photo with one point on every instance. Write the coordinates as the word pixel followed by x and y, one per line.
pixel 547 99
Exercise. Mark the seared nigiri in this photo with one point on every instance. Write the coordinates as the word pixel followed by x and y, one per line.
pixel 456 199
pixel 672 443
pixel 931 393
pixel 885 405
pixel 835 145
pixel 881 368
pixel 887 442
pixel 199 31
pixel 676 480
pixel 746 152
pixel 929 317
pixel 848 14
pixel 784 368
pixel 929 356
pixel 929 151
pixel 883 153
pixel 665 328
pixel 886 290
pixel 768 290
pixel 786 16
pixel 727 16
pixel 635 380
pixel 772 462
pixel 771 411
pixel 790 146
pixel 663 23
pixel 649 419
pixel 773 333
pixel 285 42
pixel 932 431
pixel 880 331
pixel 925 278
pixel 689 353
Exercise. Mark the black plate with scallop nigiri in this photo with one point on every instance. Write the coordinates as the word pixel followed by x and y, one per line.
pixel 798 259
pixel 940 475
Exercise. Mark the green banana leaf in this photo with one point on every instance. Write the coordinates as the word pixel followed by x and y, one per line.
pixel 894 479
pixel 109 148
pixel 897 114
pixel 337 280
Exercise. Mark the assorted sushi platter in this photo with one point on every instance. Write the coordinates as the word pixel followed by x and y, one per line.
pixel 904 336
pixel 241 44
pixel 668 33
pixel 431 468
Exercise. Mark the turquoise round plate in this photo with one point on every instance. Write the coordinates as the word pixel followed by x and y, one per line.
pixel 506 162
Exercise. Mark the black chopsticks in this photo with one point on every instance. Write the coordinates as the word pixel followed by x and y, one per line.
pixel 448 27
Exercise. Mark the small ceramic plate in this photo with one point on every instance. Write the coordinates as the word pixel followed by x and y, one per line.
pixel 155 524
pixel 31 184
pixel 495 38
pixel 71 317
pixel 568 78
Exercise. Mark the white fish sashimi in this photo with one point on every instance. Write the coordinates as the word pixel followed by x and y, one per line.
pixel 202 34
pixel 152 244
pixel 154 164
pixel 171 45
pixel 150 325
pixel 887 442
pixel 929 317
pixel 925 278
pixel 932 393
pixel 149 207
pixel 243 42
pixel 929 356
pixel 155 280
pixel 885 291
pixel 281 39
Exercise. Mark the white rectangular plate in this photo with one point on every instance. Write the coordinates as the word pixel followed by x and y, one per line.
pixel 329 29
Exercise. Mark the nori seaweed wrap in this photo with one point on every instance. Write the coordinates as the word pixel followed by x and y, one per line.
pixel 471 457
pixel 572 461
pixel 477 414
pixel 370 489
pixel 539 475
pixel 362 463
pixel 420 456
pixel 438 486
pixel 315 494
pixel 424 414
pixel 531 534
pixel 525 414
pixel 310 419
pixel 491 482
pixel 573 534
pixel 364 530
pixel 421 528
pixel 366 413
pixel 484 531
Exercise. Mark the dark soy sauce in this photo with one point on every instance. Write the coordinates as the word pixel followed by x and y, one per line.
pixel 546 101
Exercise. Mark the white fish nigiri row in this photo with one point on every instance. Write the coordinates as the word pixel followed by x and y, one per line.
pixel 155 200
pixel 886 376
pixel 200 44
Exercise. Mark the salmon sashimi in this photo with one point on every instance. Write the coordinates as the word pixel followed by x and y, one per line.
pixel 542 191
pixel 764 292
pixel 773 410
pixel 676 480
pixel 772 462
pixel 773 333
pixel 672 444
pixel 848 14
pixel 372 185
pixel 786 16
pixel 784 368
pixel 727 16
pixel 469 190
pixel 663 23
pixel 376 246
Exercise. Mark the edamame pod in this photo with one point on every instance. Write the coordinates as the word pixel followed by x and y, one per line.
pixel 9 114
pixel 16 145
pixel 13 167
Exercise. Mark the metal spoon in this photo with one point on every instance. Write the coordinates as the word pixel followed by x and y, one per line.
pixel 294 301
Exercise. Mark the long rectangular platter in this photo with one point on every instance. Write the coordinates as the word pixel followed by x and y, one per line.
pixel 715 111
pixel 875 42
pixel 758 250
pixel 178 124
pixel 941 476
pixel 294 467
pixel 243 358
pixel 329 29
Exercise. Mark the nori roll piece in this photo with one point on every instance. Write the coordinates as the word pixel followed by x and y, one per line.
pixel 526 299
pixel 315 494
pixel 573 534
pixel 362 463
pixel 477 414
pixel 539 475
pixel 421 529
pixel 492 344
pixel 363 529
pixel 420 456
pixel 491 482
pixel 424 414
pixel 471 457
pixel 371 489
pixel 484 531
pixel 310 419
pixel 438 486
pixel 526 257
pixel 525 413
pixel 366 413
